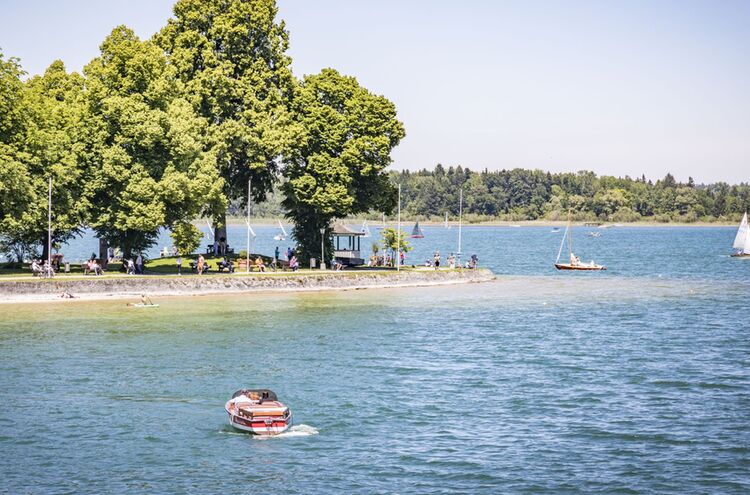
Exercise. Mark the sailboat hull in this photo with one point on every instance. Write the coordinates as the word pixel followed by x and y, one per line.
pixel 740 255
pixel 588 268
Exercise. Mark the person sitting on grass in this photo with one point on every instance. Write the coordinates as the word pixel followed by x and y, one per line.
pixel 259 264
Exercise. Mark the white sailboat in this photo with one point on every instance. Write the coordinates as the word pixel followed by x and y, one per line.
pixel 575 261
pixel 282 235
pixel 366 229
pixel 445 223
pixel 742 239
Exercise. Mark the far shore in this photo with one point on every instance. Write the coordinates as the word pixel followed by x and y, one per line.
pixel 130 288
pixel 270 222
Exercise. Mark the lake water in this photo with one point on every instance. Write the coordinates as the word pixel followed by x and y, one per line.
pixel 633 380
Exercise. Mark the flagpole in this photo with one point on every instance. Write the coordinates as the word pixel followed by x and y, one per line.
pixel 49 230
pixel 398 234
pixel 247 260
pixel 460 213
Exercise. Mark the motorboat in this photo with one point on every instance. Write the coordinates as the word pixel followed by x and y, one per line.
pixel 258 411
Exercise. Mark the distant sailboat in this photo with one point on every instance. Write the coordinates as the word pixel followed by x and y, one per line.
pixel 366 229
pixel 445 223
pixel 742 239
pixel 282 235
pixel 416 232
pixel 575 261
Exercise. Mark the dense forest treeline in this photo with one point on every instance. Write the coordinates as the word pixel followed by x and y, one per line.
pixel 522 194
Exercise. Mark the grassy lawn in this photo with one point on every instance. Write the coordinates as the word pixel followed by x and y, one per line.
pixel 168 267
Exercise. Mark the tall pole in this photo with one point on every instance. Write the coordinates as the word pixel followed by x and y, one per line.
pixel 249 189
pixel 49 230
pixel 398 233
pixel 460 213
pixel 323 249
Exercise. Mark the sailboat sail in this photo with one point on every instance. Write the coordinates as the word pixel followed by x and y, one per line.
pixel 366 229
pixel 282 235
pixel 742 239
pixel 562 241
pixel 416 232
pixel 445 224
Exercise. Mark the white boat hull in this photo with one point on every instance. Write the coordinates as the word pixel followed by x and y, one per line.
pixel 261 426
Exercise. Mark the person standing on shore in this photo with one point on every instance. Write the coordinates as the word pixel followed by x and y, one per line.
pixel 437 260
pixel 179 265
pixel 201 262
pixel 139 264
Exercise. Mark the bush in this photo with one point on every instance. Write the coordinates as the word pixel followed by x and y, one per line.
pixel 186 237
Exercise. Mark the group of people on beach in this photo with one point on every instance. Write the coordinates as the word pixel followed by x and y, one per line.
pixel 452 261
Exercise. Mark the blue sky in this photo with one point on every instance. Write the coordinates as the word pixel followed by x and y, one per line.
pixel 620 88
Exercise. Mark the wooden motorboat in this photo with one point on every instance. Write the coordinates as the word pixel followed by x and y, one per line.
pixel 575 261
pixel 742 240
pixel 258 411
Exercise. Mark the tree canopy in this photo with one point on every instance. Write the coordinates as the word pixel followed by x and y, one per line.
pixel 148 166
pixel 337 167
pixel 231 59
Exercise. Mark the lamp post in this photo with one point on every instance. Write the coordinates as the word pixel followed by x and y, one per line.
pixel 322 248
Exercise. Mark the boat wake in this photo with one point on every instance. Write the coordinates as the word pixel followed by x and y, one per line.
pixel 293 431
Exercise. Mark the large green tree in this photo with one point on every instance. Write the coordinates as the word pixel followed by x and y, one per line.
pixel 46 128
pixel 148 163
pixel 17 192
pixel 231 57
pixel 337 167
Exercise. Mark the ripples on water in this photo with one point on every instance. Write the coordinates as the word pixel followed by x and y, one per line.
pixel 535 383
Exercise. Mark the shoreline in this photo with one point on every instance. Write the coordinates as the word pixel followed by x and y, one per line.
pixel 265 222
pixel 45 291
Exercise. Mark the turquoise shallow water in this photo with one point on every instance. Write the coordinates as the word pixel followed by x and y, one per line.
pixel 635 380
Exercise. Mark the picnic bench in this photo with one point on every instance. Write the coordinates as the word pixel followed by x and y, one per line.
pixel 194 266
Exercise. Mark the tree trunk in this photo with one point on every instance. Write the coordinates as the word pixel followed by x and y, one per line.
pixel 45 249
pixel 103 252
pixel 220 230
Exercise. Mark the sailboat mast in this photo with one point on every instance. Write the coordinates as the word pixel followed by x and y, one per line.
pixel 570 236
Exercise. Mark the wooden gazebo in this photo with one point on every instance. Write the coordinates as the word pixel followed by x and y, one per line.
pixel 346 243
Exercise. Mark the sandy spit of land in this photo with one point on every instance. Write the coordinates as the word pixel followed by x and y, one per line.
pixel 92 289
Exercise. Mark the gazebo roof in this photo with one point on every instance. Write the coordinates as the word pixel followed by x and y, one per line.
pixel 343 230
